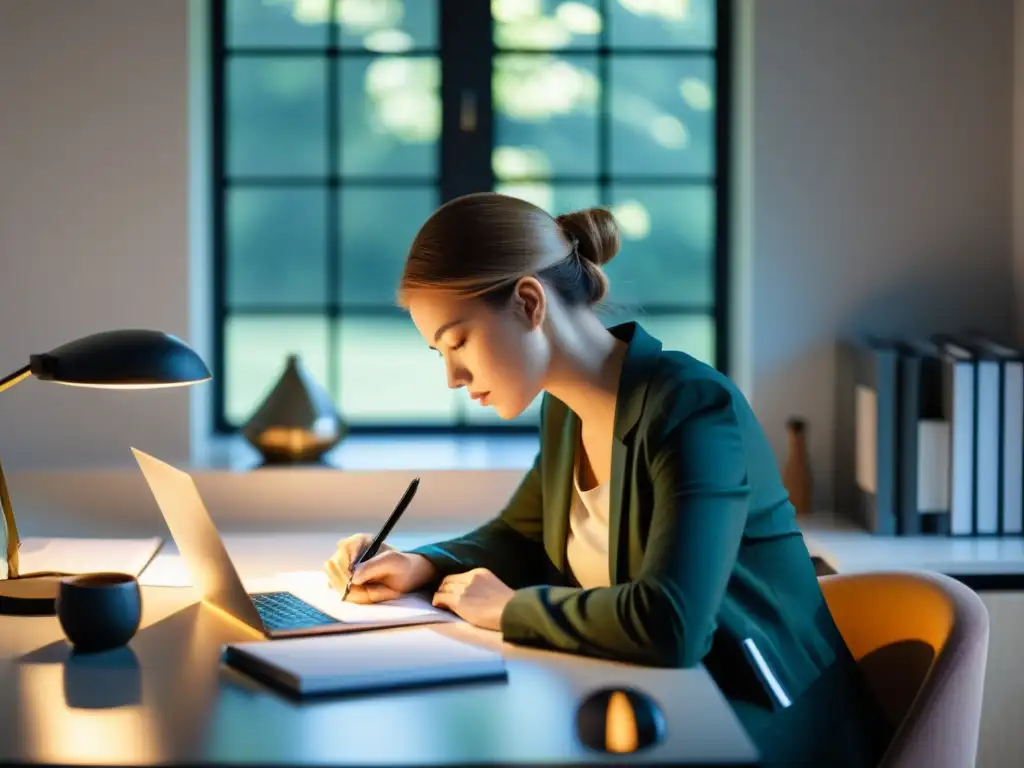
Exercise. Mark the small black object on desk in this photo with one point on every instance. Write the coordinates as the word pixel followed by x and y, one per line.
pixel 619 720
pixel 99 611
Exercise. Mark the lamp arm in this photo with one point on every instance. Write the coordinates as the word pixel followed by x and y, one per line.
pixel 13 542
pixel 19 375
pixel 11 528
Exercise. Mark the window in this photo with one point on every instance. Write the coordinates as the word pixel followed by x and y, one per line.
pixel 339 125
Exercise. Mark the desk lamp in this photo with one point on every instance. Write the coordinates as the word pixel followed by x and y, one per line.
pixel 123 359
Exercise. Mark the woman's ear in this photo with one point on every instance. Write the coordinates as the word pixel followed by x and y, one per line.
pixel 529 301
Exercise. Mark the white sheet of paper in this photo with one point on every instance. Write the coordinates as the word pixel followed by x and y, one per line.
pixel 169 570
pixel 72 555
pixel 313 587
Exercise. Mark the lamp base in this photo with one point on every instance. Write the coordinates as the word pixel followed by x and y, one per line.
pixel 30 596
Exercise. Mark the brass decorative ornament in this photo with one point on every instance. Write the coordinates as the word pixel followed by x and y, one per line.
pixel 297 422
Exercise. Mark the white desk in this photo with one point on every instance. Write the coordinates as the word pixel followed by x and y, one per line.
pixel 167 699
pixel 841 544
pixel 847 548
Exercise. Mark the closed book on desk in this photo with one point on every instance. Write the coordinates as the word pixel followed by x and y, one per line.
pixel 364 662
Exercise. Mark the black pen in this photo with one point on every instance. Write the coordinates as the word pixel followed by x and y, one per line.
pixel 382 534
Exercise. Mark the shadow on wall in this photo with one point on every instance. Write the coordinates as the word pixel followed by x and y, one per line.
pixel 922 304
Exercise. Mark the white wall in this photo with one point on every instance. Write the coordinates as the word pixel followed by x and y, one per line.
pixel 1018 166
pixel 93 215
pixel 882 186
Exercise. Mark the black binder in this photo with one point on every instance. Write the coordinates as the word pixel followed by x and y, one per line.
pixel 923 442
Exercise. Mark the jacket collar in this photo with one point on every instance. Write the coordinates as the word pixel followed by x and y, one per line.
pixel 637 367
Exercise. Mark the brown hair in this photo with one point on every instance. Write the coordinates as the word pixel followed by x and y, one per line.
pixel 481 244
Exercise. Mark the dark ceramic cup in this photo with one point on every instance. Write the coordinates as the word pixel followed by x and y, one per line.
pixel 99 611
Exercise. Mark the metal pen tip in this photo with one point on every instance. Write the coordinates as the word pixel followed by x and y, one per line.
pixel 348 586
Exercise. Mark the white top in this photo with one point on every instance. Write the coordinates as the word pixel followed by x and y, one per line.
pixel 587 546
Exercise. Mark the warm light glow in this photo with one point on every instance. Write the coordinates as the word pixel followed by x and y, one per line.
pixel 696 93
pixel 633 219
pixel 161 385
pixel 15 379
pixel 620 725
pixel 56 732
pixel 232 620
pixel 293 440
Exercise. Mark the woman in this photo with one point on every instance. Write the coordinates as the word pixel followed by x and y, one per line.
pixel 653 527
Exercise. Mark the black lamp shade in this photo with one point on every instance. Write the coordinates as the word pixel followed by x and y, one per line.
pixel 122 358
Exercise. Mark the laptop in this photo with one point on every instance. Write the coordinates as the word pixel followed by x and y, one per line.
pixel 278 613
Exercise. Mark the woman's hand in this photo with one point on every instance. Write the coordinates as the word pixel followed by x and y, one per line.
pixel 478 596
pixel 385 576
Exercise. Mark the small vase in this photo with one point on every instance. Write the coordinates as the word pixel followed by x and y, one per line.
pixel 796 475
pixel 297 423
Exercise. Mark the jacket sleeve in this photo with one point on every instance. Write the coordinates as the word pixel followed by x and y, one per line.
pixel 666 616
pixel 510 545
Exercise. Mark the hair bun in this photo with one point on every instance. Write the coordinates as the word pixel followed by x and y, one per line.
pixel 595 232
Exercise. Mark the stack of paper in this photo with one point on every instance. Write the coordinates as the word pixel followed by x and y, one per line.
pixel 70 555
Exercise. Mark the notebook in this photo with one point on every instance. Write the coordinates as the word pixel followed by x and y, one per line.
pixel 364 662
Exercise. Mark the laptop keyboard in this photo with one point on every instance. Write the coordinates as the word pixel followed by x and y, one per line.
pixel 283 610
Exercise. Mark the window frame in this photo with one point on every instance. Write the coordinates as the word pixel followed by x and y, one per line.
pixel 464 165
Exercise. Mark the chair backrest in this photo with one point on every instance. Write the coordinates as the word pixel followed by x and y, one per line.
pixel 922 640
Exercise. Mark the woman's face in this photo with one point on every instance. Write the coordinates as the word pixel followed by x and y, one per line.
pixel 499 355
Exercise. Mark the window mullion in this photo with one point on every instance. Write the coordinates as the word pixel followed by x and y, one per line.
pixel 467 53
pixel 333 263
pixel 467 122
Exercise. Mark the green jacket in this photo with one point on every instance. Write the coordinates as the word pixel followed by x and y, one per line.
pixel 705 557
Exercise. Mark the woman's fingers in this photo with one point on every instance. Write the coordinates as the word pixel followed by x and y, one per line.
pixel 378 568
pixel 377 592
pixel 445 600
pixel 351 548
pixel 335 576
pixel 457 581
pixel 359 595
